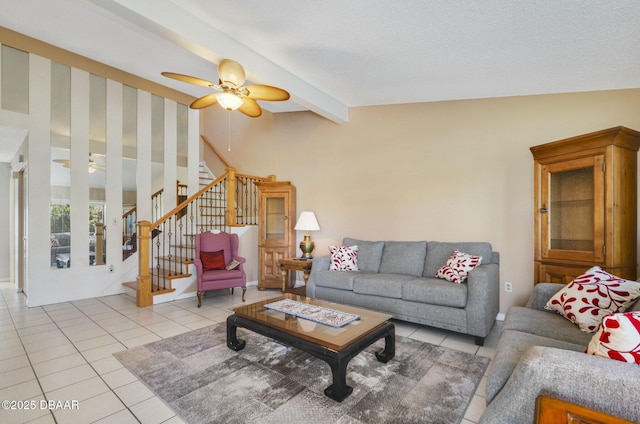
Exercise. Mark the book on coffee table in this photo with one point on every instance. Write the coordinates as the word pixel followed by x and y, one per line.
pixel 314 313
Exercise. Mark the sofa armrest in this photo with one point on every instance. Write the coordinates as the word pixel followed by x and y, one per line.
pixel 483 299
pixel 541 294
pixel 591 381
pixel 320 263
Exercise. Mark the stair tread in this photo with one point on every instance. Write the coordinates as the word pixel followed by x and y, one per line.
pixel 176 258
pixel 167 274
pixel 156 290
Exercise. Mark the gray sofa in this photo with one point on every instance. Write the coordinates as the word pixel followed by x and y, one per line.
pixel 64 245
pixel 540 351
pixel 397 277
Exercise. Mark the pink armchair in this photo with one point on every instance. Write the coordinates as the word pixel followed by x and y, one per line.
pixel 212 274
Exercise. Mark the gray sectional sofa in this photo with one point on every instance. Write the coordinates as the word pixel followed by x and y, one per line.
pixel 64 245
pixel 398 278
pixel 540 351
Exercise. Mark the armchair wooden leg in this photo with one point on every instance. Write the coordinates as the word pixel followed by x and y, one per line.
pixel 199 294
pixel 244 290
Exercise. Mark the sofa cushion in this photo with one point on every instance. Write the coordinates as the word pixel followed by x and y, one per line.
pixel 591 296
pixel 384 285
pixel 335 280
pixel 618 337
pixel 511 346
pixel 369 253
pixel 545 324
pixel 343 258
pixel 439 252
pixel 435 291
pixel 214 275
pixel 403 257
pixel 458 267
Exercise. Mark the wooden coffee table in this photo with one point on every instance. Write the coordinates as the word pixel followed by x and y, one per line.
pixel 335 346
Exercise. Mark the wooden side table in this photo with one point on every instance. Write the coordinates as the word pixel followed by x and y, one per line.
pixel 294 264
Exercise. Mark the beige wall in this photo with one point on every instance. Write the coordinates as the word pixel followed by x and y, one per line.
pixel 446 171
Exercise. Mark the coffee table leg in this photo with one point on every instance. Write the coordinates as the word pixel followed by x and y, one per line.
pixel 232 339
pixel 389 350
pixel 338 390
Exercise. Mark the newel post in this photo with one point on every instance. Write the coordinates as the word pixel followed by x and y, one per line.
pixel 143 297
pixel 230 210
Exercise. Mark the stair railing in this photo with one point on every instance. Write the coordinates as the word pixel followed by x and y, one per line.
pixel 166 247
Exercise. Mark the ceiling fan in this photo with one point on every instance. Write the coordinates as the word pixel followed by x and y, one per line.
pixel 233 94
pixel 93 166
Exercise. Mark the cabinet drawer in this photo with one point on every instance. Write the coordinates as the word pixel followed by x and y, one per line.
pixel 563 274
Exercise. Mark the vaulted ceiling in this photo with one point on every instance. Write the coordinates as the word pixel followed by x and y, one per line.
pixel 335 54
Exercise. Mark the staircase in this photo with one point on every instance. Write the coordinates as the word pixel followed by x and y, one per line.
pixel 206 177
pixel 166 247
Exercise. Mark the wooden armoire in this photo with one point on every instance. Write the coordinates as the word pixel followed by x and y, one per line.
pixel 585 204
pixel 276 234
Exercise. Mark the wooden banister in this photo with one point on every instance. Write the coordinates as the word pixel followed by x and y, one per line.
pixel 178 208
pixel 215 206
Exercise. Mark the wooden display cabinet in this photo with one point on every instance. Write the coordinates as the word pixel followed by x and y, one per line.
pixel 277 237
pixel 585 191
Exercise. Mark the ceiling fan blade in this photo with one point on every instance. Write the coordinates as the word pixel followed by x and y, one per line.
pixel 250 108
pixel 266 92
pixel 232 72
pixel 204 101
pixel 189 79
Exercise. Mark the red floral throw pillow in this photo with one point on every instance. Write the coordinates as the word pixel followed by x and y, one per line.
pixel 212 260
pixel 593 295
pixel 618 337
pixel 344 258
pixel 458 267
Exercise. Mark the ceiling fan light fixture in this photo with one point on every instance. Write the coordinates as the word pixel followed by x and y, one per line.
pixel 229 100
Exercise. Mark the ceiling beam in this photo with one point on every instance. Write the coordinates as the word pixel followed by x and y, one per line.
pixel 174 24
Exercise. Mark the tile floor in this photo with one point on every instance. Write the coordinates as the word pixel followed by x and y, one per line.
pixel 63 352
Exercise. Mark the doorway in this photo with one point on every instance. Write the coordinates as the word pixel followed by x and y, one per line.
pixel 21 203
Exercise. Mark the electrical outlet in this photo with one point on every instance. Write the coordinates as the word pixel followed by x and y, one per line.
pixel 507 287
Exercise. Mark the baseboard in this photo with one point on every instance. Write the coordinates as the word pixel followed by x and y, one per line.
pixel 500 317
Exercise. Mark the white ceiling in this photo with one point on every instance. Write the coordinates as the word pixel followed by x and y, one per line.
pixel 335 54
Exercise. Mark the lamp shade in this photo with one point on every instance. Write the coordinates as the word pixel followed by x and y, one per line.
pixel 229 100
pixel 307 222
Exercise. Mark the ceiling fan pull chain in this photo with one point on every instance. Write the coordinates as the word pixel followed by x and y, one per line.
pixel 229 129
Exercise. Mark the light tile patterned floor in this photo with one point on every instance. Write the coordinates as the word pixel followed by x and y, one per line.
pixel 63 352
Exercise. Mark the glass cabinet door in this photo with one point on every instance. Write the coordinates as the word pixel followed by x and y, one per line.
pixel 276 218
pixel 573 209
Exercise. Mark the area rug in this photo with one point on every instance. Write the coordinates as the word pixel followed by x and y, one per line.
pixel 204 381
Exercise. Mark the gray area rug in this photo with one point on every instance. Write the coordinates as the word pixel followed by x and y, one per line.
pixel 204 381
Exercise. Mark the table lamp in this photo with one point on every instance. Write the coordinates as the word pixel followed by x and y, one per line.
pixel 307 222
